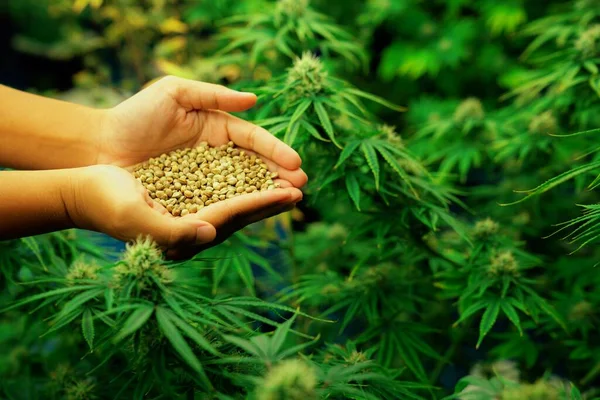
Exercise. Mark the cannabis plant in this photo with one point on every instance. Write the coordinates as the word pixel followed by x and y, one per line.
pixel 412 270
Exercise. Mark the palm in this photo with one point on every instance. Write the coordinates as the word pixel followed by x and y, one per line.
pixel 160 125
pixel 176 113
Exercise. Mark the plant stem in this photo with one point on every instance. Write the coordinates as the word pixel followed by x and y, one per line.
pixel 449 354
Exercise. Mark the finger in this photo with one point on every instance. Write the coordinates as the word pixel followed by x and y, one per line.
pixel 195 95
pixel 186 252
pixel 239 208
pixel 283 183
pixel 170 232
pixel 297 177
pixel 253 137
pixel 266 214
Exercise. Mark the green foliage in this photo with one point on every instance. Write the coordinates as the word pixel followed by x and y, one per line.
pixel 412 258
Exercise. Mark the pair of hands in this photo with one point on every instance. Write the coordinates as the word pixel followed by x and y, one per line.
pixel 170 114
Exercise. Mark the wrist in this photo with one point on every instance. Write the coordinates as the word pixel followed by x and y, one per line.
pixel 103 126
pixel 71 191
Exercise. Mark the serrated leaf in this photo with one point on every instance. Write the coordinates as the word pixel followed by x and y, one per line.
pixel 397 168
pixel 313 131
pixel 375 99
pixel 512 315
pixel 280 334
pixel 77 301
pixel 325 122
pixel 246 345
pixel 87 328
pixel 557 180
pixel 51 293
pixel 472 309
pixel 353 189
pixel 193 334
pixel 109 298
pixel 134 322
pixel 372 161
pixel 488 320
pixel 172 334
pixel 300 110
pixel 347 152
pixel 291 134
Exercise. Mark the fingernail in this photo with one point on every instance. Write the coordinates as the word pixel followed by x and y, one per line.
pixel 287 198
pixel 296 197
pixel 204 234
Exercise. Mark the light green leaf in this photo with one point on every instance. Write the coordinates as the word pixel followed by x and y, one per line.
pixel 79 300
pixel 372 160
pixel 353 189
pixel 375 99
pixel 325 122
pixel 347 152
pixel 512 315
pixel 246 345
pixel 300 110
pixel 557 180
pixel 488 320
pixel 134 322
pixel 193 334
pixel 51 293
pixel 291 133
pixel 313 131
pixel 87 327
pixel 280 334
pixel 173 335
pixel 397 168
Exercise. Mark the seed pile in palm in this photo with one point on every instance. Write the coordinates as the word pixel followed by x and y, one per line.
pixel 186 180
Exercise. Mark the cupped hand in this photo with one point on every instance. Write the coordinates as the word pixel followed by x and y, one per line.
pixel 109 199
pixel 176 113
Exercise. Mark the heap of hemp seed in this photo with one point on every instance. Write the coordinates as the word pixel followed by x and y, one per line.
pixel 186 180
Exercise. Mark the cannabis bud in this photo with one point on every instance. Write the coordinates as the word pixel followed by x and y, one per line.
pixel 389 132
pixel 580 311
pixel 337 232
pixel 82 270
pixel 307 76
pixel 508 370
pixel 81 390
pixel 543 124
pixel 587 43
pixel 292 9
pixel 356 357
pixel 289 380
pixel 470 109
pixel 485 228
pixel 542 389
pixel 140 258
pixel 330 289
pixel 504 263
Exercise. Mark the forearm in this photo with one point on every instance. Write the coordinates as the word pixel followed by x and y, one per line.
pixel 43 133
pixel 32 202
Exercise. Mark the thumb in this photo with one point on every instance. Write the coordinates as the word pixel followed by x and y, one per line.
pixel 194 95
pixel 171 232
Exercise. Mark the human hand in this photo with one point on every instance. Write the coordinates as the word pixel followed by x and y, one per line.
pixel 109 199
pixel 175 113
